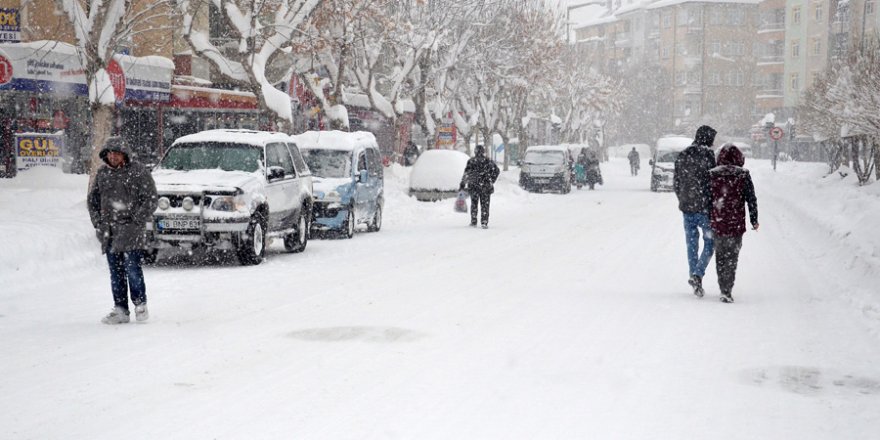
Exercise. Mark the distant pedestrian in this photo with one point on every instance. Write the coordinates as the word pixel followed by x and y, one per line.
pixel 410 154
pixel 633 157
pixel 691 184
pixel 121 201
pixel 732 190
pixel 479 178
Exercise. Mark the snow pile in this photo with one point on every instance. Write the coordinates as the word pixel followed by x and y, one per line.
pixel 45 226
pixel 335 140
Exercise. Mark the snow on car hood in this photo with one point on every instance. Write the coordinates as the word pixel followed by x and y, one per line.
pixel 199 181
pixel 327 184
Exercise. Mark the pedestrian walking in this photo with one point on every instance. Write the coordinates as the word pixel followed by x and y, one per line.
pixel 633 157
pixel 121 201
pixel 479 178
pixel 732 190
pixel 691 184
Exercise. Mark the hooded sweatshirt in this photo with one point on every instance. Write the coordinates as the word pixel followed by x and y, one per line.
pixel 121 201
pixel 732 190
pixel 691 177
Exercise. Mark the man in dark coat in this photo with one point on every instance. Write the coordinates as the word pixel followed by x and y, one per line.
pixel 633 157
pixel 121 201
pixel 732 190
pixel 479 178
pixel 691 184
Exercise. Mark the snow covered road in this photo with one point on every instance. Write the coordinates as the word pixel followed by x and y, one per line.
pixel 569 318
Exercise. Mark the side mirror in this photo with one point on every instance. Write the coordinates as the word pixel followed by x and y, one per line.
pixel 276 173
pixel 362 176
pixel 651 162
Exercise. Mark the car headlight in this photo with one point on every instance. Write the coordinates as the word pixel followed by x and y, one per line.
pixel 187 203
pixel 164 203
pixel 229 203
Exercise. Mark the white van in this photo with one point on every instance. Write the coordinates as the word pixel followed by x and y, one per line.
pixel 546 167
pixel 663 161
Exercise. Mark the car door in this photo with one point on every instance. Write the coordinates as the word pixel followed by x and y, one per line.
pixel 376 179
pixel 361 189
pixel 303 186
pixel 281 189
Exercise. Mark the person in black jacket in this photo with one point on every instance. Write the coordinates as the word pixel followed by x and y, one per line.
pixel 691 184
pixel 479 178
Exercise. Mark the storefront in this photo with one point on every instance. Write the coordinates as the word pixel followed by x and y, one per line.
pixel 43 90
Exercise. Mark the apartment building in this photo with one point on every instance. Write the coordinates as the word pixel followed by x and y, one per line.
pixel 770 57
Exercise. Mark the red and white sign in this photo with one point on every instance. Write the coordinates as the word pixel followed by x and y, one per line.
pixel 5 70
pixel 776 133
pixel 117 79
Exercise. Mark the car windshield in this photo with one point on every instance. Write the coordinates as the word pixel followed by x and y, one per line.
pixel 667 156
pixel 213 155
pixel 328 163
pixel 544 158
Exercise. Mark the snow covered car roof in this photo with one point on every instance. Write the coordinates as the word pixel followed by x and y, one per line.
pixel 248 137
pixel 335 140
pixel 559 148
pixel 673 143
pixel 438 170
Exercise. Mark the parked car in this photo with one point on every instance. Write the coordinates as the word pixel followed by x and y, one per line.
pixel 230 190
pixel 348 179
pixel 437 175
pixel 546 167
pixel 663 161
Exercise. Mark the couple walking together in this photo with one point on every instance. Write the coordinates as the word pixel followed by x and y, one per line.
pixel 712 198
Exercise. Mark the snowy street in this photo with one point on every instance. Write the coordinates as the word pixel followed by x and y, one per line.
pixel 569 318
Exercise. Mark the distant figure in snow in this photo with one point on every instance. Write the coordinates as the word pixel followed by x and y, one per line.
pixel 121 201
pixel 732 190
pixel 633 157
pixel 590 162
pixel 691 184
pixel 479 178
pixel 410 154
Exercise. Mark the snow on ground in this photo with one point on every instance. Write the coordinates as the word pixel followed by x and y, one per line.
pixel 569 318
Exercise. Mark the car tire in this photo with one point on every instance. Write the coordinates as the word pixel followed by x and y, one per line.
pixel 252 246
pixel 348 225
pixel 376 224
pixel 150 256
pixel 297 241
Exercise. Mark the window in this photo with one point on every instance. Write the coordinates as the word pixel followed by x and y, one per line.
pixel 736 17
pixel 664 53
pixel 869 7
pixel 278 156
pixel 817 46
pixel 796 15
pixel 714 78
pixel 298 161
pixel 714 47
pixel 667 20
pixel 715 17
pixel 682 18
pixel 737 48
pixel 681 77
pixel 795 48
pixel 818 13
pixel 794 82
pixel 374 164
pixel 735 78
pixel 362 162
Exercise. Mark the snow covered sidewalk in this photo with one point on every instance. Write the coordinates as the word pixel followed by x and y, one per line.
pixel 569 318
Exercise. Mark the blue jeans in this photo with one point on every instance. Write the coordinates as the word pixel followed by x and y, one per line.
pixel 693 222
pixel 125 274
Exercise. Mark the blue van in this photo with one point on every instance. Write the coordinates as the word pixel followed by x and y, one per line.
pixel 348 180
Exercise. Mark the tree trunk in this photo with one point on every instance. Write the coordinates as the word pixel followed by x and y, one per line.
pixel 467 142
pixel 876 147
pixel 506 140
pixel 101 129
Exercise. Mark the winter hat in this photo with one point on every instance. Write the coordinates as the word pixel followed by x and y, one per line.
pixel 479 150
pixel 115 143
pixel 730 155
pixel 705 136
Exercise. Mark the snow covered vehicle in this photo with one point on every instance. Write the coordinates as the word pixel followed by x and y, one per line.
pixel 546 167
pixel 437 175
pixel 348 180
pixel 663 162
pixel 230 190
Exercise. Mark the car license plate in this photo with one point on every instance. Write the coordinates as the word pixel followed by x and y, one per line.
pixel 542 180
pixel 180 223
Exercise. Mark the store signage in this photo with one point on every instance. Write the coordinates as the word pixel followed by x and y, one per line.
pixel 5 70
pixel 53 67
pixel 10 25
pixel 36 149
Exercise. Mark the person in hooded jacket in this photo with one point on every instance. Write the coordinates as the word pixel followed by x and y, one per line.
pixel 732 190
pixel 691 184
pixel 121 201
pixel 479 178
pixel 633 157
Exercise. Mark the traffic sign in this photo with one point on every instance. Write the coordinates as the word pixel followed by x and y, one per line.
pixel 776 133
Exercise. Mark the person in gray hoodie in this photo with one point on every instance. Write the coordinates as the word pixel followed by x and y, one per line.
pixel 121 201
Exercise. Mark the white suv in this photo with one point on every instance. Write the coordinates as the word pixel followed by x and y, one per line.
pixel 229 190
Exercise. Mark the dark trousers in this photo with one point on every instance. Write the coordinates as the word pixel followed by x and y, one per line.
pixel 483 199
pixel 726 258
pixel 125 274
